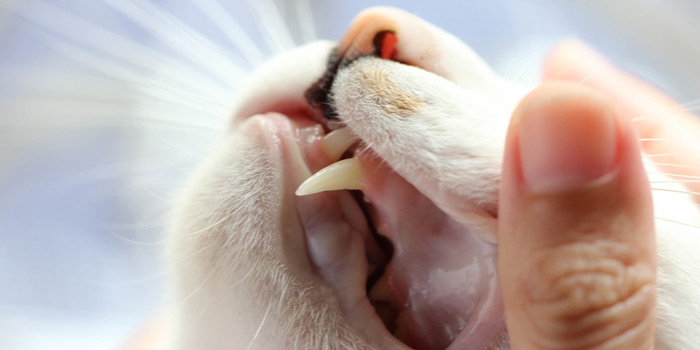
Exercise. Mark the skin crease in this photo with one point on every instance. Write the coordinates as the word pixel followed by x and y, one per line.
pixel 605 297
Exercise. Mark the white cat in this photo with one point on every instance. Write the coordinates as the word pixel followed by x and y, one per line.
pixel 257 267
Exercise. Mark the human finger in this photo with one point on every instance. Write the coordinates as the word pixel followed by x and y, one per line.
pixel 577 254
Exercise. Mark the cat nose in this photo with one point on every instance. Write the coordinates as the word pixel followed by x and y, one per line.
pixel 393 34
pixel 380 32
pixel 376 32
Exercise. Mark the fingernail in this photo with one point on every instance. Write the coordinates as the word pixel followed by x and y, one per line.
pixel 566 142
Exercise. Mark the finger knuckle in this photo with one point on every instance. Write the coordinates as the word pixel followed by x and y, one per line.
pixel 589 293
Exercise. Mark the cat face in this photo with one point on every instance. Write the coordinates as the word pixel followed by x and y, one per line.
pixel 392 245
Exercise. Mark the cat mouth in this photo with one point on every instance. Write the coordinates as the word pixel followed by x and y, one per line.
pixel 435 283
pixel 430 281
pixel 405 271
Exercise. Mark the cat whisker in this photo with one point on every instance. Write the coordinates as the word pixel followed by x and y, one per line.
pixel 260 327
pixel 237 36
pixel 112 100
pixel 198 251
pixel 135 281
pixel 217 223
pixel 529 63
pixel 494 113
pixel 663 154
pixel 673 175
pixel 676 191
pixel 141 225
pixel 584 80
pixel 90 113
pixel 64 24
pixel 136 242
pixel 123 73
pixel 194 292
pixel 677 222
pixel 103 102
pixel 639 118
pixel 680 108
pixel 84 119
pixel 680 268
pixel 674 181
pixel 687 107
pixel 684 166
pixel 495 101
pixel 182 124
pixel 304 14
pixel 180 37
pixel 692 104
pixel 670 139
pixel 273 25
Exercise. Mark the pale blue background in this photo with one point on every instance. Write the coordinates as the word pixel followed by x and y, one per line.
pixel 84 203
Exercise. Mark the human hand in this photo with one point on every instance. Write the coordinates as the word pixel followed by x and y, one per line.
pixel 576 232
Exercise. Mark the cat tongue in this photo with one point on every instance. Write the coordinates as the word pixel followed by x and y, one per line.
pixel 442 277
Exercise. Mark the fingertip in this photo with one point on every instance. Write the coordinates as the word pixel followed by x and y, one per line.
pixel 565 135
pixel 566 138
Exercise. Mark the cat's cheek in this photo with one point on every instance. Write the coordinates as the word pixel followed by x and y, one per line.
pixel 226 246
pixel 242 261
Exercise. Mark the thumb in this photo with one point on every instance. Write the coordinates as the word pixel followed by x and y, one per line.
pixel 577 252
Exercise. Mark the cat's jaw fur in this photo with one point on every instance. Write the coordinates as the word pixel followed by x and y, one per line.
pixel 242 280
pixel 236 286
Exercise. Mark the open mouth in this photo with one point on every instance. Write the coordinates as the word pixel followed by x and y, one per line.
pixel 430 280
pixel 406 271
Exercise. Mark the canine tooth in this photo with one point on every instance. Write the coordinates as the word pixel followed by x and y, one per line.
pixel 346 174
pixel 380 291
pixel 337 142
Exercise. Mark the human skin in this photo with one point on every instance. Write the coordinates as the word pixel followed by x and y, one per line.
pixel 577 257
pixel 605 299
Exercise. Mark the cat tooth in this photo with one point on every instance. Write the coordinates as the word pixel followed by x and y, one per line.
pixel 380 292
pixel 337 142
pixel 346 174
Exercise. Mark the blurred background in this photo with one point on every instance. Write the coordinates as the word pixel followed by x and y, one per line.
pixel 107 106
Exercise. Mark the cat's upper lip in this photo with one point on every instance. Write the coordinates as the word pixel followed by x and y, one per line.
pixel 279 85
